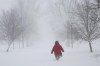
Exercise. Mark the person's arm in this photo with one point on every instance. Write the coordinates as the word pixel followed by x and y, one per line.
pixel 52 50
pixel 61 48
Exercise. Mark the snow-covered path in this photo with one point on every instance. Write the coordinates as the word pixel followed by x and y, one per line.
pixel 39 55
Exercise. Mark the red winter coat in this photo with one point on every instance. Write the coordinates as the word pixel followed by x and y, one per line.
pixel 57 49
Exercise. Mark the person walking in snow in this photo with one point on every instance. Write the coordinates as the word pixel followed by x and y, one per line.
pixel 57 49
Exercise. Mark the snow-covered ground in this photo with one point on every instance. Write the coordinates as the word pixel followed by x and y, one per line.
pixel 39 55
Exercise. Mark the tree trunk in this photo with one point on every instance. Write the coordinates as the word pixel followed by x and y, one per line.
pixel 72 42
pixel 19 43
pixel 68 43
pixel 71 37
pixel 90 47
pixel 9 44
pixel 23 40
pixel 13 46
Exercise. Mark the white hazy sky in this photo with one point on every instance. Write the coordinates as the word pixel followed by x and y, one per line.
pixel 6 4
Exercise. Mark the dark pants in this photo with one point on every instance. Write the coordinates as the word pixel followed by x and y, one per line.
pixel 58 56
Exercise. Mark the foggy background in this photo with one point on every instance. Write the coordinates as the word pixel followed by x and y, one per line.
pixel 29 21
pixel 42 20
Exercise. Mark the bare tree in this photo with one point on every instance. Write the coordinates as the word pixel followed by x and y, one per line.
pixel 71 34
pixel 85 17
pixel 98 3
pixel 64 9
pixel 88 24
pixel 11 26
pixel 61 9
pixel 28 11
